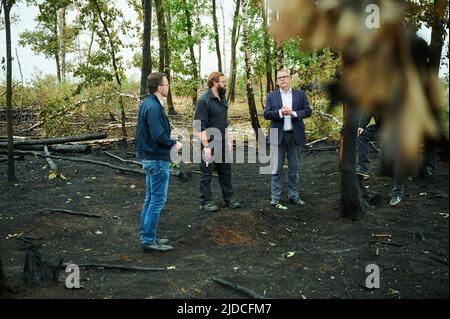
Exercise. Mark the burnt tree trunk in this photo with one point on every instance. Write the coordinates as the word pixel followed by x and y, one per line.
pixel 9 120
pixel 38 271
pixel 351 199
pixel 438 33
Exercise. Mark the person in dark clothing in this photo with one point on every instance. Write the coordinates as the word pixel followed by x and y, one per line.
pixel 211 113
pixel 153 148
pixel 366 134
pixel 369 133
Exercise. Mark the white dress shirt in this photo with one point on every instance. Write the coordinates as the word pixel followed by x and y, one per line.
pixel 286 98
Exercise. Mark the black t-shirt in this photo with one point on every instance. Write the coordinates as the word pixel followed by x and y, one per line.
pixel 211 112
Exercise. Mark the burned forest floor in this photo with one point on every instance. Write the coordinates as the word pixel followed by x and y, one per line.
pixel 293 253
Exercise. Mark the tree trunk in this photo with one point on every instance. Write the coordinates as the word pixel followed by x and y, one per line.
pixel 188 17
pixel 167 59
pixel 160 19
pixel 21 79
pixel 280 61
pixel 261 93
pixel 199 43
pixel 224 41
pixel 216 36
pixel 234 39
pixel 267 52
pixel 57 55
pixel 62 46
pixel 146 68
pixel 351 199
pixel 9 119
pixel 250 95
pixel 91 42
pixel 116 72
pixel 438 33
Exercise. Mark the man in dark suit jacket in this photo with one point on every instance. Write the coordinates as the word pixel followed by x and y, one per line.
pixel 286 108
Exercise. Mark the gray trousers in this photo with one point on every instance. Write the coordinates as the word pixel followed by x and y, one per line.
pixel 289 147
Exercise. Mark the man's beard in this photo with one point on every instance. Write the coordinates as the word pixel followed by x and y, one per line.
pixel 221 90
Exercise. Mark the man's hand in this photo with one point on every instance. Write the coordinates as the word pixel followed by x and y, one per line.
pixel 360 131
pixel 207 157
pixel 286 111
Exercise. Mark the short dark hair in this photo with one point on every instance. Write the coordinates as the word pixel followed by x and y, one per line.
pixel 214 77
pixel 154 80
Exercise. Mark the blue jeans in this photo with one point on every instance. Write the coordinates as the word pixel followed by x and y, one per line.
pixel 157 184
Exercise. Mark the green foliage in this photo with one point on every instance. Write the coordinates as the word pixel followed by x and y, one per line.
pixel 44 39
pixel 107 23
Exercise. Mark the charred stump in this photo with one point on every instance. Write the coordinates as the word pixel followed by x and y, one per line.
pixel 39 271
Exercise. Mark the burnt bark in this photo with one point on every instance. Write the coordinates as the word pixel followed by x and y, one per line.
pixel 39 271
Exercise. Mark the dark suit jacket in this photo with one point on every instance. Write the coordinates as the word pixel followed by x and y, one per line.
pixel 300 105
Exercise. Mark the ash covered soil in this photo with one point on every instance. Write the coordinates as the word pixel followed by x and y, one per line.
pixel 308 252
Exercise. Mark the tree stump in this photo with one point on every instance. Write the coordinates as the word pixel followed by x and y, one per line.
pixel 39 271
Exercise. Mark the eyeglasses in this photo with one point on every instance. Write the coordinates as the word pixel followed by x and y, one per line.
pixel 283 77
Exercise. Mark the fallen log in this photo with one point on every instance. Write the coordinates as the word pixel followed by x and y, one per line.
pixel 59 140
pixel 120 267
pixel 173 172
pixel 239 288
pixel 316 141
pixel 73 159
pixel 39 271
pixel 58 148
pixel 329 117
pixel 123 160
pixel 66 211
pixel 321 149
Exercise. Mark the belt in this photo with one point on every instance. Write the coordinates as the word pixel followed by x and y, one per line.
pixel 289 132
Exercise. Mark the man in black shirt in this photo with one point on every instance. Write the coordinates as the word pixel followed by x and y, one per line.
pixel 211 113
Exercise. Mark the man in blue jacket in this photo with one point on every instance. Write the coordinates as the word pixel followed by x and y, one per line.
pixel 286 108
pixel 154 146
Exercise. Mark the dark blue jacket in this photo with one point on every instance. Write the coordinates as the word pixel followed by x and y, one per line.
pixel 153 131
pixel 300 105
